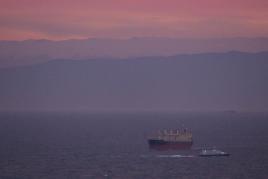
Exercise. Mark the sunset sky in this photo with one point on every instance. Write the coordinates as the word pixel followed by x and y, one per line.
pixel 65 19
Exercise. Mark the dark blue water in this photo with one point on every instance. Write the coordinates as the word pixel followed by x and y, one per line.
pixel 73 145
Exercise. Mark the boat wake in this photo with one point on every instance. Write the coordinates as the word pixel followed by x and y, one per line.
pixel 167 156
pixel 175 156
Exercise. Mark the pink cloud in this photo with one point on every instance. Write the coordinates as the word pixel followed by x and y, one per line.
pixel 127 18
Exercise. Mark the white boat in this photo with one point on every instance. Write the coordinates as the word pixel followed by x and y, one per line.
pixel 213 152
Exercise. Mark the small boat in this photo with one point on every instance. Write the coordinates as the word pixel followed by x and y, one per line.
pixel 211 153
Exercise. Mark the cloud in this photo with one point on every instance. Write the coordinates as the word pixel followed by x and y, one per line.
pixel 125 18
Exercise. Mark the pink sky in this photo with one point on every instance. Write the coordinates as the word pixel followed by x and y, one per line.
pixel 58 19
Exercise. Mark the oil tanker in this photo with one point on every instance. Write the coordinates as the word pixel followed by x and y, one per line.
pixel 171 140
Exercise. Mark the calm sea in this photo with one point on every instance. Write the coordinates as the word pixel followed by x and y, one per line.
pixel 113 145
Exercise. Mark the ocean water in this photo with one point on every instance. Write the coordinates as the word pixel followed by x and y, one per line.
pixel 113 145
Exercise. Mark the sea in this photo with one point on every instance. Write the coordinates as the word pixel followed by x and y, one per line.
pixel 98 145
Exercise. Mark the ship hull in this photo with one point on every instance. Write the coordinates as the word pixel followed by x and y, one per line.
pixel 168 145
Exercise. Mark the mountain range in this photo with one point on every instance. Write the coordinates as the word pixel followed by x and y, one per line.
pixel 204 81
pixel 36 51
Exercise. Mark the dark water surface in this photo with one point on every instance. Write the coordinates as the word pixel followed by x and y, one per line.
pixel 73 145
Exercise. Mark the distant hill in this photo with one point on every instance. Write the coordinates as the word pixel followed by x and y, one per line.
pixel 209 81
pixel 35 51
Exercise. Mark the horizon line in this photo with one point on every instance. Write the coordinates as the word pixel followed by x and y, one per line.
pixel 134 37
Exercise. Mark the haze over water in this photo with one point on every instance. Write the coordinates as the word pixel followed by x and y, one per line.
pixel 88 145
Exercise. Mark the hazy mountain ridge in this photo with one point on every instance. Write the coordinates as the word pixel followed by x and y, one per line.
pixel 210 81
pixel 35 51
